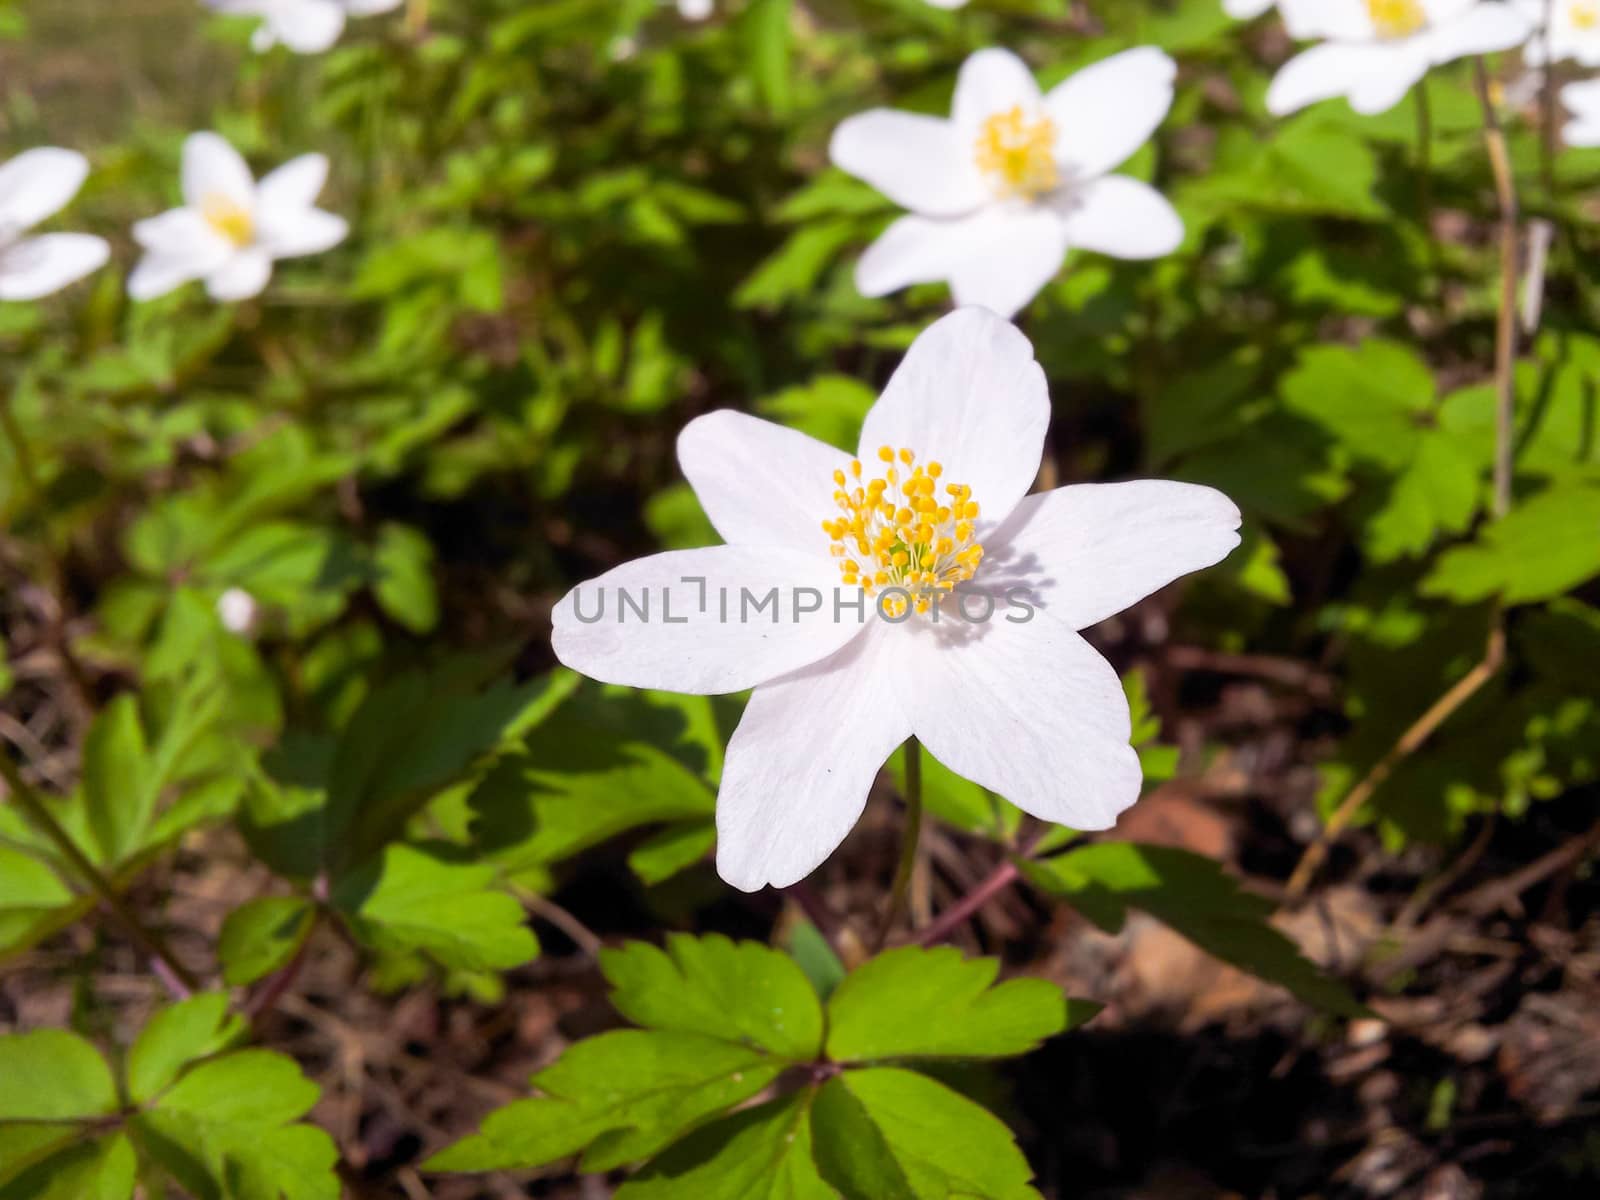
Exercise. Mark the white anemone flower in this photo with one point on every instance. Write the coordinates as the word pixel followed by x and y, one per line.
pixel 1014 178
pixel 1375 51
pixel 870 599
pixel 1249 10
pixel 304 26
pixel 695 10
pixel 1573 32
pixel 1583 100
pixel 231 229
pixel 34 185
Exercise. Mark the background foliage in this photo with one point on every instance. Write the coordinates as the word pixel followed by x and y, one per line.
pixel 577 225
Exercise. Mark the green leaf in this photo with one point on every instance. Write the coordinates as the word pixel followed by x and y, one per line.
pixel 60 1164
pixel 261 936
pixel 175 1037
pixel 760 1154
pixel 1196 897
pixel 405 589
pixel 737 991
pixel 1369 399
pixel 816 957
pixel 1436 493
pixel 625 1095
pixel 409 900
pixel 890 1134
pixel 29 890
pixel 676 848
pixel 119 784
pixel 225 1130
pixel 916 1003
pixel 53 1075
pixel 1546 546
pixel 766 27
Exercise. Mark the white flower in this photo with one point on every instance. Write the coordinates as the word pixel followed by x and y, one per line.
pixel 1584 101
pixel 1249 10
pixel 304 26
pixel 1018 702
pixel 231 229
pixel 1376 50
pixel 1574 31
pixel 34 185
pixel 1002 189
pixel 946 3
pixel 694 10
pixel 236 608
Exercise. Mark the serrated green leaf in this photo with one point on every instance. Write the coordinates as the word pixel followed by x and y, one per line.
pixel 1546 546
pixel 916 1003
pixel 175 1037
pixel 624 1095
pixel 1196 897
pixel 262 935
pixel 79 1082
pixel 737 991
pixel 761 1154
pixel 409 900
pixel 1368 398
pixel 890 1134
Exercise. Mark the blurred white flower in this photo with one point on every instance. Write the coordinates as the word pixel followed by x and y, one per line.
pixel 947 3
pixel 1574 31
pixel 231 229
pixel 1008 184
pixel 1249 10
pixel 913 642
pixel 694 10
pixel 236 608
pixel 1375 51
pixel 304 26
pixel 34 185
pixel 1583 99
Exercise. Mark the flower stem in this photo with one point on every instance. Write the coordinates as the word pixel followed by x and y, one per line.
pixel 908 846
pixel 1505 365
pixel 178 979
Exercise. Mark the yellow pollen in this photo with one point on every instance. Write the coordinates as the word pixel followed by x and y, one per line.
pixel 1584 14
pixel 919 547
pixel 228 218
pixel 1396 18
pixel 1019 154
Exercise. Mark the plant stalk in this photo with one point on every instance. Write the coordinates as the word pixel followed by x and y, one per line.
pixel 908 846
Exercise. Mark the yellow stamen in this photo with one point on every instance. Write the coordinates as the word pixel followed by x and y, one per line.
pixel 1019 155
pixel 1584 14
pixel 1396 18
pixel 229 218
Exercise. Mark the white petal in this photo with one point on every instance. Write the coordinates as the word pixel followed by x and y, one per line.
pixel 1483 29
pixel 1338 20
pixel 1583 99
pixel 969 396
pixel 922 163
pixel 41 265
pixel 1246 10
pixel 180 246
pixel 761 483
pixel 213 168
pixel 946 4
pixel 38 183
pixel 1015 251
pixel 1322 72
pixel 1381 91
pixel 242 276
pixel 991 82
pixel 709 637
pixel 309 231
pixel 308 26
pixel 1440 12
pixel 999 257
pixel 1089 551
pixel 1123 218
pixel 1028 710
pixel 371 8
pixel 158 273
pixel 292 188
pixel 694 10
pixel 1107 111
pixel 801 762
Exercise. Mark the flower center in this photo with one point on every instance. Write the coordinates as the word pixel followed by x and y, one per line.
pixel 900 531
pixel 1018 154
pixel 229 218
pixel 1584 14
pixel 1396 18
